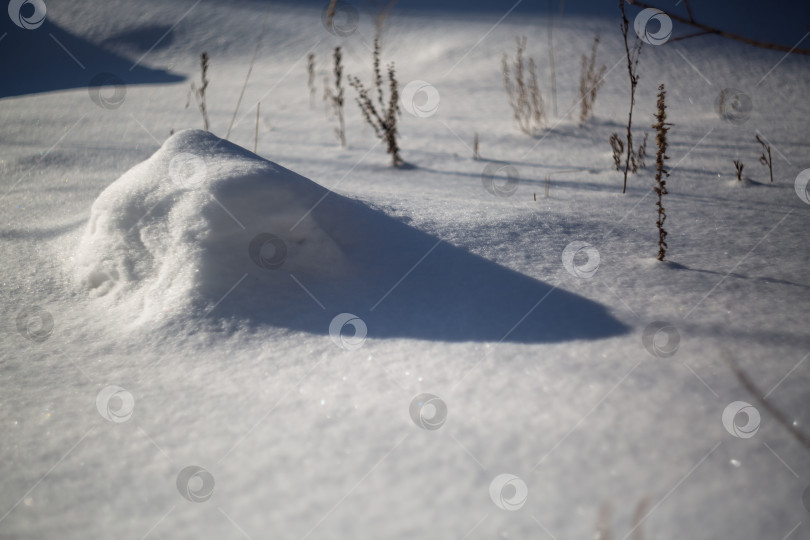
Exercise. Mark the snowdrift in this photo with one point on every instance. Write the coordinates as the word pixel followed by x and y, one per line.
pixel 206 230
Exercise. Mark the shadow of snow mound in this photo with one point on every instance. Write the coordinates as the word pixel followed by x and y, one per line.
pixel 206 231
pixel 48 58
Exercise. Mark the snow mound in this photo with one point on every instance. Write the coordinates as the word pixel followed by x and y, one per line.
pixel 204 228
pixel 172 230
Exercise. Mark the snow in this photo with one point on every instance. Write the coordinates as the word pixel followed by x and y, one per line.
pixel 161 241
pixel 200 341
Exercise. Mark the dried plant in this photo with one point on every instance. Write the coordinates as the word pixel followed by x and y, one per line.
pixel 199 92
pixel 765 158
pixel 249 71
pixel 706 29
pixel 738 166
pixel 591 80
pixel 603 520
pixel 756 392
pixel 661 128
pixel 524 95
pixel 605 516
pixel 384 121
pixel 476 155
pixel 336 97
pixel 617 146
pixel 311 78
pixel 632 53
pixel 638 161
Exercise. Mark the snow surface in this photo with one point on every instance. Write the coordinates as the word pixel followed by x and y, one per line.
pixel 184 334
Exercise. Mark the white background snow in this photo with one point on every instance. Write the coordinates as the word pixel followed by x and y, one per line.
pixel 305 439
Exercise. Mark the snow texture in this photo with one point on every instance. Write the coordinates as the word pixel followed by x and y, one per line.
pixel 198 342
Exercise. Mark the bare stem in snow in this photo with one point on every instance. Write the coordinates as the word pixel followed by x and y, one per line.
pixel 661 127
pixel 632 53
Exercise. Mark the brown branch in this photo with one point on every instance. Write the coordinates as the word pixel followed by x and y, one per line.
pixel 723 33
pixel 689 10
pixel 687 36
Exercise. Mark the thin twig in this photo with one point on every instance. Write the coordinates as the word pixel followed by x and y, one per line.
pixel 723 33
pixel 757 394
pixel 247 76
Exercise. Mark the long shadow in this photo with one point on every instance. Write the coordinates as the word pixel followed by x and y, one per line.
pixel 346 257
pixel 678 266
pixel 39 60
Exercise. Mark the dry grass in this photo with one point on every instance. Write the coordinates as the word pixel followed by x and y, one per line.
pixel 523 90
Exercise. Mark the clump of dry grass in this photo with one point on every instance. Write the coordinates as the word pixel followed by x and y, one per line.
pixel 523 90
pixel 617 146
pixel 311 78
pixel 336 97
pixel 591 80
pixel 384 120
pixel 738 167
pixel 765 157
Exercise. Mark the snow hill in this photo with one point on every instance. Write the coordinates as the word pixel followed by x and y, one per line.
pixel 166 240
